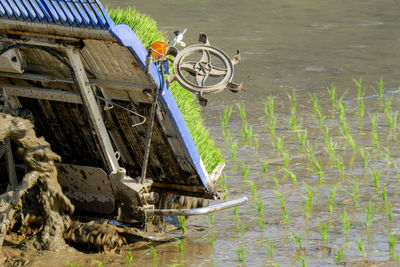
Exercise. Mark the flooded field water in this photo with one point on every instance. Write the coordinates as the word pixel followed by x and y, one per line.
pixel 320 167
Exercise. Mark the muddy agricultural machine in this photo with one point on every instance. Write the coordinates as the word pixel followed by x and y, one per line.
pixel 89 128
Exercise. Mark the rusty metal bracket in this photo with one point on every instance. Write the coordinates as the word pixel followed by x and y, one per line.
pixel 214 65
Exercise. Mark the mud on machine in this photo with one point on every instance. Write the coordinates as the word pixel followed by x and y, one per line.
pixel 101 100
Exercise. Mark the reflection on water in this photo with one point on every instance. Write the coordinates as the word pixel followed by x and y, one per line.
pixel 302 46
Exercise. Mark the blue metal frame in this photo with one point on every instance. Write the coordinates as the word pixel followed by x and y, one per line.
pixel 128 38
pixel 91 14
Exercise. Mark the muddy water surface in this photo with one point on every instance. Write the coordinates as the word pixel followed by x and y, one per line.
pixel 301 46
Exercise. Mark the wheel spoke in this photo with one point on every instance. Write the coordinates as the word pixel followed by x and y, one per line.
pixel 205 57
pixel 201 79
pixel 189 67
pixel 216 72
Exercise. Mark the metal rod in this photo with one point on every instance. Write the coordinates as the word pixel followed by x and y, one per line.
pixel 199 211
pixel 150 127
pixel 95 115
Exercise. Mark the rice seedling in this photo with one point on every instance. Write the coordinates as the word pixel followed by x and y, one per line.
pixel 236 216
pixel 269 107
pixel 346 222
pixel 324 231
pixel 308 203
pixel 293 122
pixel 153 251
pixel 388 105
pixel 303 262
pixel 292 176
pixel 339 256
pixel 374 122
pixel 316 109
pixel 265 165
pixel 212 239
pixel 361 108
pixel 247 131
pixel 286 157
pixel 379 88
pixel 129 257
pixel 332 94
pixel 361 248
pixel 278 143
pixel 332 199
pixel 360 97
pixel 339 164
pixel 386 155
pixel 182 224
pixel 272 126
pixel 245 170
pixel 370 214
pixel 354 193
pixel 397 169
pixel 360 90
pixel 256 144
pixel 340 100
pixel 375 176
pixel 345 128
pixel 260 221
pixel 211 219
pixel 227 135
pixel 314 104
pixel 71 264
pixel 234 151
pixel 384 195
pixel 276 182
pixel 243 228
pixel 293 109
pixel 352 143
pixel 331 147
pixel 99 263
pixel 392 242
pixel 309 150
pixel 341 110
pixel 298 240
pixel 326 135
pixel 374 134
pixel 178 242
pixel 268 248
pixel 227 111
pixel 398 260
pixel 364 156
pixel 260 206
pixel 252 186
pixel 301 136
pixel 389 211
pixel 318 169
pixel 392 120
pixel 222 185
pixel 242 110
pixel 284 211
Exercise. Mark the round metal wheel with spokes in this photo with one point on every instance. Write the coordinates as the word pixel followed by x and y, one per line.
pixel 214 65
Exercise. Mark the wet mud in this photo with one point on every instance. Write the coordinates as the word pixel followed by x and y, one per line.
pixel 41 176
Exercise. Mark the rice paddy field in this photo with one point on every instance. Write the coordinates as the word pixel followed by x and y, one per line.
pixel 312 142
